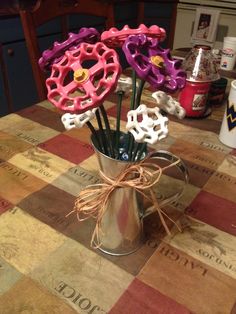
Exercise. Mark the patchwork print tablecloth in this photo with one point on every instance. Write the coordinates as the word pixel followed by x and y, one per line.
pixel 46 263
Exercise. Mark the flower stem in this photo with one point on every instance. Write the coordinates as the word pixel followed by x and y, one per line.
pixel 132 107
pixel 96 137
pixel 142 149
pixel 132 104
pixel 118 116
pixel 108 130
pixel 135 152
pixel 101 132
pixel 139 93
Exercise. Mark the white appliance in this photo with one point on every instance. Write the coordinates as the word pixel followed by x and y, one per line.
pixel 186 12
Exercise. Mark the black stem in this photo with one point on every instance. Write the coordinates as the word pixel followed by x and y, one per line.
pixel 137 103
pixel 142 149
pixel 135 152
pixel 101 133
pixel 139 93
pixel 132 107
pixel 132 104
pixel 118 116
pixel 108 130
pixel 96 137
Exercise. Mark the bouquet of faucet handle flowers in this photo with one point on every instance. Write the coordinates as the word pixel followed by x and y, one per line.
pixel 85 69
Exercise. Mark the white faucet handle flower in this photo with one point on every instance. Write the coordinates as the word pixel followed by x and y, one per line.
pixel 147 124
pixel 169 104
pixel 71 121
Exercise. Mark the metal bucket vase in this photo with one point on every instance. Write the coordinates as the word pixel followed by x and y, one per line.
pixel 122 223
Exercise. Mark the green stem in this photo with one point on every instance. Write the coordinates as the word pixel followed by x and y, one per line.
pixel 108 130
pixel 118 116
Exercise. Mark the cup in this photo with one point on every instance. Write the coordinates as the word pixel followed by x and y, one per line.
pixel 228 57
pixel 228 128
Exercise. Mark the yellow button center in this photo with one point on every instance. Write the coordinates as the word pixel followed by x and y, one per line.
pixel 158 61
pixel 81 75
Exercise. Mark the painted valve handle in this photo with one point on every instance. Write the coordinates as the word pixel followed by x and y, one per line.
pixel 83 78
pixel 156 67
pixel 56 53
pixel 72 120
pixel 147 125
pixel 169 104
pixel 116 38
pixel 124 85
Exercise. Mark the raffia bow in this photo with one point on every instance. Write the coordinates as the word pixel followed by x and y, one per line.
pixel 142 176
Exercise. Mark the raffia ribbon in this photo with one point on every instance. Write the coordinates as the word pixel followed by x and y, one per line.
pixel 91 202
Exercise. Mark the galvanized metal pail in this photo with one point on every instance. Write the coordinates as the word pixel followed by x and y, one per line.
pixel 122 224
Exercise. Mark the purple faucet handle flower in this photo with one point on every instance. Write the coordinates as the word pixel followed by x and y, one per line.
pixel 175 77
pixel 156 66
pixel 56 53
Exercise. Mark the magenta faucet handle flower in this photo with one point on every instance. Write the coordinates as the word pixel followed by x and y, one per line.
pixel 151 128
pixel 116 38
pixel 156 67
pixel 56 53
pixel 89 85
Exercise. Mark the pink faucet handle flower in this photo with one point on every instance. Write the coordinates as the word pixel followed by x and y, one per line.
pixel 147 125
pixel 116 38
pixel 56 53
pixel 83 78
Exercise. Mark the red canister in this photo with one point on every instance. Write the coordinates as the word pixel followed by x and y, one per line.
pixel 193 98
pixel 201 69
